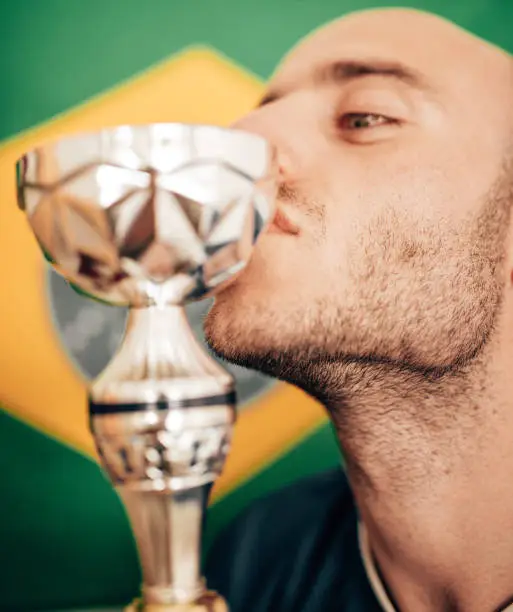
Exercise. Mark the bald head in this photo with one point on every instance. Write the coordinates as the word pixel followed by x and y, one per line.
pixel 426 37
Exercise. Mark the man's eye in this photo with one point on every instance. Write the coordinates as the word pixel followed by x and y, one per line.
pixel 363 121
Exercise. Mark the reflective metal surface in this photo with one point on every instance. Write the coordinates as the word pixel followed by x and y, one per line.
pixel 153 217
pixel 161 213
pixel 161 446
pixel 157 450
pixel 159 359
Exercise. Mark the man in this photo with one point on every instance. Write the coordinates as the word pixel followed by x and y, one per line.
pixel 384 289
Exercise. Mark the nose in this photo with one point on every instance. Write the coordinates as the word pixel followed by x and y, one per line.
pixel 260 122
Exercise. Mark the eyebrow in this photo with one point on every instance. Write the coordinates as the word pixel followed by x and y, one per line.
pixel 345 71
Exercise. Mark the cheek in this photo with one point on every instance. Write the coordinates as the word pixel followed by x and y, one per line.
pixel 381 216
pixel 401 185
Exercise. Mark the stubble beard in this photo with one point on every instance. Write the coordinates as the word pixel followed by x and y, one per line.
pixel 419 319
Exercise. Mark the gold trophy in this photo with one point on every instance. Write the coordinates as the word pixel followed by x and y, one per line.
pixel 153 217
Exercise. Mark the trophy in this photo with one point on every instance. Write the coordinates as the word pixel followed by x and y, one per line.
pixel 153 217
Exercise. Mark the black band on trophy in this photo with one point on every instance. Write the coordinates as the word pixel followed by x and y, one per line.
pixel 163 404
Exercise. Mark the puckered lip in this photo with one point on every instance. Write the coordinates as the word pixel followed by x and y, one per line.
pixel 281 224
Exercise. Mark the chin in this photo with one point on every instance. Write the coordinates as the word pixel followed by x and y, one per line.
pixel 241 323
pixel 227 323
pixel 262 312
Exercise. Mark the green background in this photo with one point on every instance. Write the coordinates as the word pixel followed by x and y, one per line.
pixel 64 539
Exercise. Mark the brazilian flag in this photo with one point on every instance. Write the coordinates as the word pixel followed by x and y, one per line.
pixel 75 65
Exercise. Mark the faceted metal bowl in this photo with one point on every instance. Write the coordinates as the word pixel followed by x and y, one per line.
pixel 150 214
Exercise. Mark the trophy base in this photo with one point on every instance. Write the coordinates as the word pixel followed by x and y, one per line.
pixel 208 602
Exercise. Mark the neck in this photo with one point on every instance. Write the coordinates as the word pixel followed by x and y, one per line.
pixel 430 462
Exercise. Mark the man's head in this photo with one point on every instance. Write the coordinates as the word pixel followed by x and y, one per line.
pixel 394 132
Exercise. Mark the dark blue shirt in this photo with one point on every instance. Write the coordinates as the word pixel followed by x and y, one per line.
pixel 294 551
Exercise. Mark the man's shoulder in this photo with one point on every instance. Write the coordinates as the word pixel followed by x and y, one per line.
pixel 292 550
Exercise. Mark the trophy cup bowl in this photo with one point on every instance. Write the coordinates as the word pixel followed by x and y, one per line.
pixel 153 217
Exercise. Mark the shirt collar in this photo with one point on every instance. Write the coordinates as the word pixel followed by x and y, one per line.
pixel 371 571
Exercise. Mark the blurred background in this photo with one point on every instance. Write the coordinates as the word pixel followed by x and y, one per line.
pixel 71 65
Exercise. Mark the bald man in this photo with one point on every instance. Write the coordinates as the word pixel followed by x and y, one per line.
pixel 384 289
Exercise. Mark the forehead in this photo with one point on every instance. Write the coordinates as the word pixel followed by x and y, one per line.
pixel 453 61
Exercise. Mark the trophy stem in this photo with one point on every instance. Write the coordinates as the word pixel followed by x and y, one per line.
pixel 162 415
pixel 168 531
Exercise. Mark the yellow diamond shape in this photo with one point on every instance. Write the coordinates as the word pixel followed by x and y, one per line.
pixel 37 380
